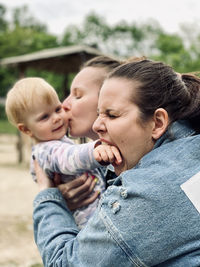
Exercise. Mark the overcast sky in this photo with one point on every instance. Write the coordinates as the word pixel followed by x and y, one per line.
pixel 57 14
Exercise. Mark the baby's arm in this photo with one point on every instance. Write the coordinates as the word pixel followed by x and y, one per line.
pixel 66 158
pixel 107 154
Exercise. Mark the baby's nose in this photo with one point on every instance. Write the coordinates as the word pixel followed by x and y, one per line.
pixel 56 117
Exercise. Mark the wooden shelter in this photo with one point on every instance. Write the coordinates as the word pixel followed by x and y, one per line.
pixel 62 60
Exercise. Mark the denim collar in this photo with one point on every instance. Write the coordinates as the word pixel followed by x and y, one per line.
pixel 178 129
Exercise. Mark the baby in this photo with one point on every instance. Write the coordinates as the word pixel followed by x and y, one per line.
pixel 33 106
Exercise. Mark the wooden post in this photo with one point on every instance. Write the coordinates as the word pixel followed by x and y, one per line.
pixel 19 134
pixel 19 147
pixel 66 88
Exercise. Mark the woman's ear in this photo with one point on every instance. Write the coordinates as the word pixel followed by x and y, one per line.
pixel 24 129
pixel 161 122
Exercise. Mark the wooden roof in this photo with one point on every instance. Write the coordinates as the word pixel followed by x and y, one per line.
pixel 59 60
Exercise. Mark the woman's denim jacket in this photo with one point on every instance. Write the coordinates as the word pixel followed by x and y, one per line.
pixel 149 216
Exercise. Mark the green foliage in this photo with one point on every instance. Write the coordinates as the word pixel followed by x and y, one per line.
pixel 7 79
pixel 22 18
pixel 23 40
pixel 7 128
pixel 169 43
pixel 56 80
pixel 122 39
pixel 3 22
pixel 134 39
pixel 24 34
pixel 2 113
pixel 92 31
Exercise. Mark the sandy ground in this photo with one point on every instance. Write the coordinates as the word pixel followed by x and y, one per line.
pixel 17 191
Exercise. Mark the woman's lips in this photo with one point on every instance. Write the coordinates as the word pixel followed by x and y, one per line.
pixel 103 141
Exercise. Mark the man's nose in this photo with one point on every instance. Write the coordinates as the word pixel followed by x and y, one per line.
pixel 66 104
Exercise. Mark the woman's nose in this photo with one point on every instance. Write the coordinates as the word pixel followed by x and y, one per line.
pixel 99 125
pixel 66 104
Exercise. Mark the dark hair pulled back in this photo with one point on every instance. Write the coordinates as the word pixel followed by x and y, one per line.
pixel 159 86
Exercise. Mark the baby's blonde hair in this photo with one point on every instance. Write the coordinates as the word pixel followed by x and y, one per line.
pixel 25 95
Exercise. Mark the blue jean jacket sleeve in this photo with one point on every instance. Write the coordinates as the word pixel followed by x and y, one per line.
pixel 62 244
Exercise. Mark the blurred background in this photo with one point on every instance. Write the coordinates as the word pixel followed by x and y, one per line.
pixel 51 39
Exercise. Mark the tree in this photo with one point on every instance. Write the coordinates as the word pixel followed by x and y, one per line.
pixel 122 39
pixel 21 35
pixel 138 39
pixel 24 35
pixel 3 22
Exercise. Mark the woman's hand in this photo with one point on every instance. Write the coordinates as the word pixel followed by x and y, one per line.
pixel 77 192
pixel 42 180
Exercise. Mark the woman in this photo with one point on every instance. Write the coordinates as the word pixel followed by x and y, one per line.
pixel 81 106
pixel 149 216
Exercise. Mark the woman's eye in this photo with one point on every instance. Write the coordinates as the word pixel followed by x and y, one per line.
pixel 112 116
pixel 77 96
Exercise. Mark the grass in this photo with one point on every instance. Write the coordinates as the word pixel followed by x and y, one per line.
pixel 7 128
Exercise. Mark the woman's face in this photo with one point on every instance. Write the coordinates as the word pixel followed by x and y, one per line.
pixel 118 123
pixel 82 101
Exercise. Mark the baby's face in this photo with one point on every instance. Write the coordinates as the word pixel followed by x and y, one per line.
pixel 48 122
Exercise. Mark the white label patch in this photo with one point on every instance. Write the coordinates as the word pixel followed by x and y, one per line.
pixel 192 190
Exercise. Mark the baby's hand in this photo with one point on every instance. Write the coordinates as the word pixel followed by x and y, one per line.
pixel 107 154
